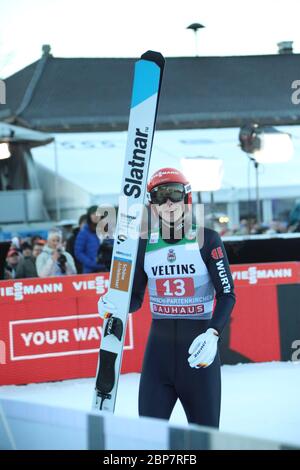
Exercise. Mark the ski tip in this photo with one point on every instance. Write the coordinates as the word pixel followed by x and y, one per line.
pixel 156 57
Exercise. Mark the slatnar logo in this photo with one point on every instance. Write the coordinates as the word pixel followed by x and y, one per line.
pixel 133 184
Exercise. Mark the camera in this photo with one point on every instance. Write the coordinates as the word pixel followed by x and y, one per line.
pixel 62 261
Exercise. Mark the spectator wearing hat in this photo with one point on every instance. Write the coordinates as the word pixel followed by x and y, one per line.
pixel 27 265
pixel 16 243
pixel 12 260
pixel 87 244
pixel 54 260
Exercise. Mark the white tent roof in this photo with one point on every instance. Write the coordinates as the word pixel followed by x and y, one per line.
pixel 10 133
pixel 94 161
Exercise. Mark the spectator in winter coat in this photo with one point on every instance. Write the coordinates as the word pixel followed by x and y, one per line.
pixel 12 260
pixel 26 267
pixel 87 244
pixel 54 260
pixel 71 241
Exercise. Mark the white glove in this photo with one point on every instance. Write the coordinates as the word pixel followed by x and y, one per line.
pixel 105 307
pixel 204 349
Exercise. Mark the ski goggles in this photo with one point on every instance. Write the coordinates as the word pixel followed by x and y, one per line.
pixel 175 192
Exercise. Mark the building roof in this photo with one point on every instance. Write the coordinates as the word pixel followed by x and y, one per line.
pixel 85 94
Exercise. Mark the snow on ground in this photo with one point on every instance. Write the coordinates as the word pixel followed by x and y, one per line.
pixel 260 400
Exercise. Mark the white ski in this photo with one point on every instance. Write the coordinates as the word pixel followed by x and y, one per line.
pixel 145 96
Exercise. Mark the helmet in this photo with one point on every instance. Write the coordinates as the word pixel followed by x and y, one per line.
pixel 170 175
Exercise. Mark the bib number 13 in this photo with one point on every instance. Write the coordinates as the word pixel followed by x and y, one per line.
pixel 178 287
pixel 175 287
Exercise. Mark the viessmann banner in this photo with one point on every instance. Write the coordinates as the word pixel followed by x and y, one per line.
pixel 266 274
pixel 50 328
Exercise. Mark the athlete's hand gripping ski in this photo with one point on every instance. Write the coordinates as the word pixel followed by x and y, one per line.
pixel 203 349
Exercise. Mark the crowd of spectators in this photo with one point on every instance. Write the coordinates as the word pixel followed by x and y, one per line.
pixel 251 227
pixel 82 250
pixel 87 247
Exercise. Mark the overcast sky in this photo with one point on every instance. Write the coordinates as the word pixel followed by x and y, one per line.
pixel 126 28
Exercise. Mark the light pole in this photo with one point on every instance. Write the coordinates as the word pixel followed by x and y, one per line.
pixel 57 190
pixel 258 209
pixel 264 145
pixel 195 27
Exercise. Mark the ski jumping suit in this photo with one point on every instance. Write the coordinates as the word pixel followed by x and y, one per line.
pixel 183 276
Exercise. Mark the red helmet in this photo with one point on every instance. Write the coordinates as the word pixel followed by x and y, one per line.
pixel 170 175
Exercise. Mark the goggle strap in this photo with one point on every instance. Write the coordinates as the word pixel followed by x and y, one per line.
pixel 187 188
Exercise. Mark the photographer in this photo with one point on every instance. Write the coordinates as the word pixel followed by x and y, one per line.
pixel 54 260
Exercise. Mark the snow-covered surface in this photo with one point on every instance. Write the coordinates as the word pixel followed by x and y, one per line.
pixel 259 400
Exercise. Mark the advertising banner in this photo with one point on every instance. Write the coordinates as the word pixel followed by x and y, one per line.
pixel 50 329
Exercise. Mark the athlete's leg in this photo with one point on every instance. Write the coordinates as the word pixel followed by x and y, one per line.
pixel 157 394
pixel 156 400
pixel 200 394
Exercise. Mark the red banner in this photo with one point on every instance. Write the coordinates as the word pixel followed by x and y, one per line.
pixel 266 274
pixel 50 329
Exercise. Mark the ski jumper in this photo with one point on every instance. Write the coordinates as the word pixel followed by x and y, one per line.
pixel 184 278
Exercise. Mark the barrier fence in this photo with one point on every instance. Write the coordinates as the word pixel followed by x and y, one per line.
pixel 33 426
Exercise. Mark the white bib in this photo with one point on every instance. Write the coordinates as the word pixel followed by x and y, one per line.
pixel 179 283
